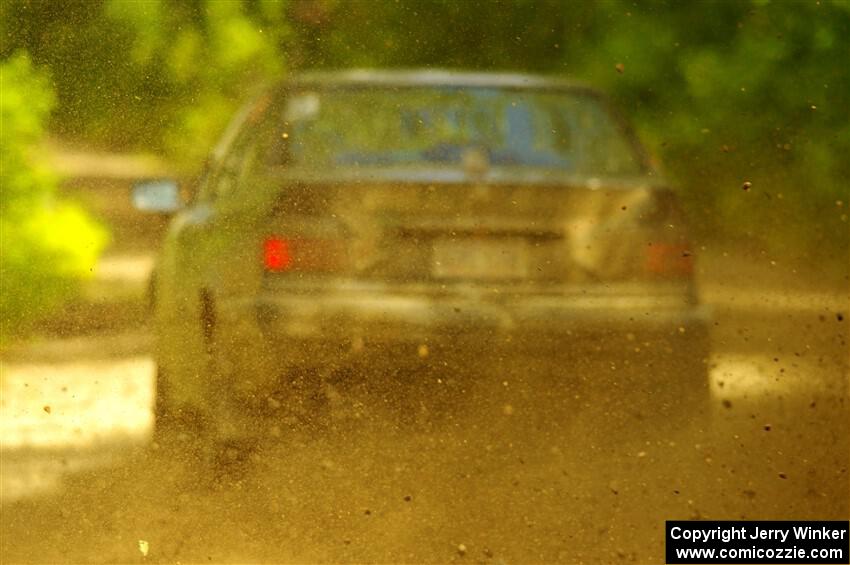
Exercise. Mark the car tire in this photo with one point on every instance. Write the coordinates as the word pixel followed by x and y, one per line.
pixel 686 402
pixel 174 424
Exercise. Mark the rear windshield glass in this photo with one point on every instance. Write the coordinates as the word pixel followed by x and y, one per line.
pixel 498 128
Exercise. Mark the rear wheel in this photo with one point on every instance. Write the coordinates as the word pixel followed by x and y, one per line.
pixel 188 433
pixel 171 422
pixel 680 400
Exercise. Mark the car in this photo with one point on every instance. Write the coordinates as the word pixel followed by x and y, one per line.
pixel 414 219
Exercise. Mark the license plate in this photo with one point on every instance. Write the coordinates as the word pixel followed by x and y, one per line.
pixel 503 258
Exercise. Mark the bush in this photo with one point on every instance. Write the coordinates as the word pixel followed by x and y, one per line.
pixel 46 246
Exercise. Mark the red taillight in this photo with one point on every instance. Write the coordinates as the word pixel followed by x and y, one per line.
pixel 303 255
pixel 669 260
pixel 276 255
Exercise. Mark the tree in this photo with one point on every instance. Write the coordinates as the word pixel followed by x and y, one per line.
pixel 46 245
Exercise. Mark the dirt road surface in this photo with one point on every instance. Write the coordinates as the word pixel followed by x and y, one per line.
pixel 512 481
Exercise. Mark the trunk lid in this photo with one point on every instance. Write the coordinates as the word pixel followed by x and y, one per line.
pixel 487 233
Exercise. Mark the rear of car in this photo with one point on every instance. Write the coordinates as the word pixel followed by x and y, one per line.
pixel 415 218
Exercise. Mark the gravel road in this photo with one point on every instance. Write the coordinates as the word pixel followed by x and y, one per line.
pixel 513 481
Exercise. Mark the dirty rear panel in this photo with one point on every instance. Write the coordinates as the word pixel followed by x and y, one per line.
pixel 482 233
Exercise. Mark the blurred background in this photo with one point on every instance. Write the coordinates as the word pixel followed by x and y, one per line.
pixel 725 93
pixel 744 106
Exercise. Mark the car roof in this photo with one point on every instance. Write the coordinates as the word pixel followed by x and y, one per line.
pixel 435 77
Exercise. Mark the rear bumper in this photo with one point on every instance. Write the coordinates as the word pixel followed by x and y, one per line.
pixel 406 318
pixel 277 333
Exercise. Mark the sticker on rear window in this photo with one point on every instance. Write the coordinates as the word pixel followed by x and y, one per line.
pixel 302 107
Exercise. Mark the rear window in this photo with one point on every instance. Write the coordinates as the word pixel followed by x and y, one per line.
pixel 426 127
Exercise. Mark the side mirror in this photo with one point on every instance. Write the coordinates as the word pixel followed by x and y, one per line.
pixel 160 196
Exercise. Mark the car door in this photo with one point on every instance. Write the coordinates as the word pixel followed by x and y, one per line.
pixel 189 267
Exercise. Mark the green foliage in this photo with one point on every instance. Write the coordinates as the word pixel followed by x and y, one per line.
pixel 725 92
pixel 46 246
pixel 154 74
